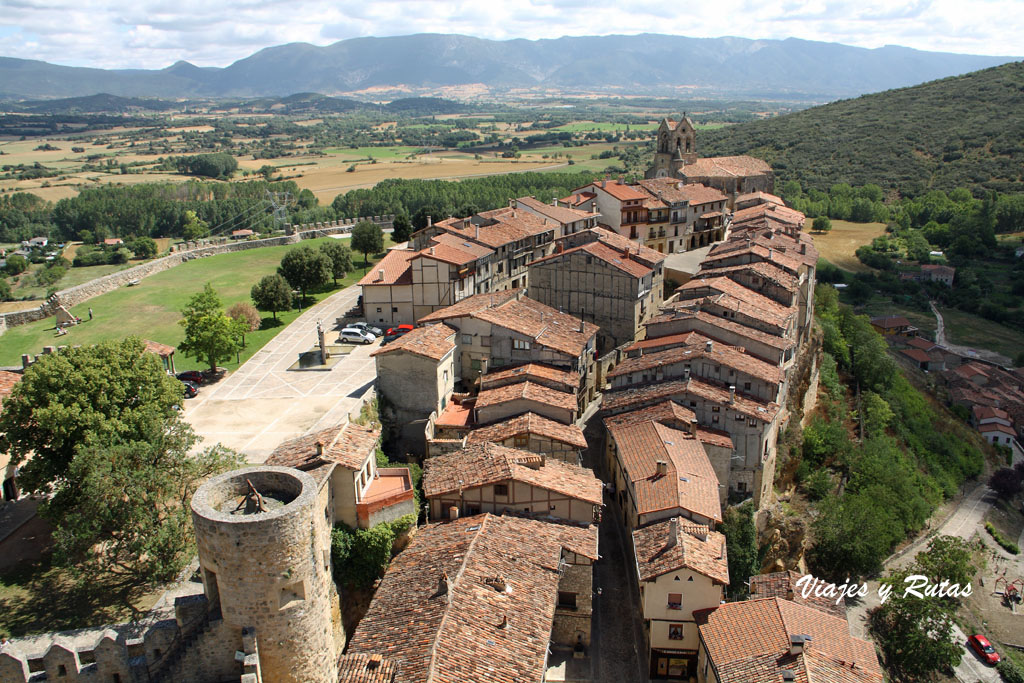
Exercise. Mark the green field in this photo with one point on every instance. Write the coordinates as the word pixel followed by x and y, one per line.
pixel 27 288
pixel 357 153
pixel 881 306
pixel 602 127
pixel 977 332
pixel 152 308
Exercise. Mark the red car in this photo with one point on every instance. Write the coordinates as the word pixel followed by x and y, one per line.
pixel 193 376
pixel 980 644
pixel 400 330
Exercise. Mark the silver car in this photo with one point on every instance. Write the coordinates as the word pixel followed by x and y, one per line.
pixel 357 336
pixel 366 327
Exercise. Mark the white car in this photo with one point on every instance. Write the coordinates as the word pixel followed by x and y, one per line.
pixel 366 327
pixel 354 334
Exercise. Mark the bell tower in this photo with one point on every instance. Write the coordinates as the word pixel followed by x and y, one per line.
pixel 676 147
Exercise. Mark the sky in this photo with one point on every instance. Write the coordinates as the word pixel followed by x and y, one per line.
pixel 153 34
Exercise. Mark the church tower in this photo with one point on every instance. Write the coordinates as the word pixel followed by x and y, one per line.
pixel 677 147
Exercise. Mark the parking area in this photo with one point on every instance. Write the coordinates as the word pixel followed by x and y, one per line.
pixel 264 403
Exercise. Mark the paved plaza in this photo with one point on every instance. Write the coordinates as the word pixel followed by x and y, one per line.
pixel 264 403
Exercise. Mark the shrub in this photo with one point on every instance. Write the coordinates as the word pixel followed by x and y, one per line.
pixel 1008 546
pixel 818 484
pixel 1005 482
pixel 1010 672
pixel 360 556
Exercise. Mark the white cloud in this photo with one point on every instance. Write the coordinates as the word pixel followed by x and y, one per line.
pixel 156 33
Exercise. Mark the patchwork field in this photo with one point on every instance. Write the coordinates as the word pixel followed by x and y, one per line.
pixel 839 245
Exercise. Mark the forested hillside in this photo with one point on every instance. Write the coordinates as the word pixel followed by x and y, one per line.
pixel 965 131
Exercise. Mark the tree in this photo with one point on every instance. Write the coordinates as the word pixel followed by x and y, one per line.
pixel 272 293
pixel 305 268
pixel 367 238
pixel 5 290
pixel 143 247
pixel 821 224
pixel 113 390
pixel 340 256
pixel 1005 482
pixel 16 264
pixel 194 228
pixel 948 558
pixel 210 335
pixel 741 548
pixel 135 521
pixel 247 317
pixel 402 228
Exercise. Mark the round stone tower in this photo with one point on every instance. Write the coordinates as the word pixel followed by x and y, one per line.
pixel 264 552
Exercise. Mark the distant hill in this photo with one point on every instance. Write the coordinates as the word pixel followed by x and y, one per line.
pixel 642 64
pixel 962 131
pixel 101 102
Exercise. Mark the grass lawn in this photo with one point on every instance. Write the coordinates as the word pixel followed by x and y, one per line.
pixel 354 154
pixel 152 308
pixel 603 127
pixel 27 286
pixel 972 330
pixel 840 244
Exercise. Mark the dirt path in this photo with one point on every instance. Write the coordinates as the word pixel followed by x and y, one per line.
pixel 965 351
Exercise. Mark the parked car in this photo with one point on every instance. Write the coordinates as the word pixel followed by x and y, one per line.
pixel 366 327
pixel 193 376
pixel 191 389
pixel 399 330
pixel 356 335
pixel 980 644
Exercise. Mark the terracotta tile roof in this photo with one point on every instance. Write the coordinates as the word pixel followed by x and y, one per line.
pixel 760 196
pixel 968 370
pixel 619 190
pixel 347 445
pixel 738 248
pixel 473 466
pixel 779 234
pixel 920 343
pixel 430 341
pixel 729 356
pixel 745 311
pixel 771 340
pixel 512 311
pixel 529 423
pixel 783 585
pixel 395 265
pixel 535 371
pixel 756 305
pixel 677 543
pixel 891 322
pixel 601 251
pixel 578 197
pixel 653 203
pixel 939 270
pixel 675 191
pixel 725 167
pixel 527 391
pixel 667 412
pixel 366 668
pixel 714 437
pixel 690 483
pixel 455 415
pixel 669 341
pixel 997 427
pixel 917 355
pixel 765 270
pixel 454 250
pixel 778 211
pixel 469 630
pixel 620 399
pixel 749 642
pixel 639 252
pixel 162 350
pixel 499 227
pixel 980 412
pixel 561 214
pixel 7 382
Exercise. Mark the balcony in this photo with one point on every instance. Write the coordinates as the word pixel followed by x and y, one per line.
pixel 388 497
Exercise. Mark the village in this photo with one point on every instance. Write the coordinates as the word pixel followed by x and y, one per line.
pixel 588 382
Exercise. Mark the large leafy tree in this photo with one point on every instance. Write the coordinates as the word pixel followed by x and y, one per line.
pixel 135 521
pixel 341 258
pixel 402 228
pixel 305 268
pixel 113 389
pixel 367 238
pixel 741 548
pixel 210 335
pixel 272 293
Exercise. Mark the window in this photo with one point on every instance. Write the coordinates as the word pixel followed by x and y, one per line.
pixel 746 386
pixel 675 600
pixel 378 309
pixel 675 631
pixel 520 344
pixel 566 600
pixel 292 594
pixel 501 489
pixel 522 440
pixel 467 339
pixel 716 409
pixel 741 486
pixel 394 309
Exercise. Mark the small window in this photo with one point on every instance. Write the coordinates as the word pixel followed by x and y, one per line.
pixel 62 670
pixel 378 309
pixel 714 419
pixel 675 631
pixel 292 594
pixel 521 440
pixel 394 309
pixel 693 404
pixel 741 486
pixel 675 600
pixel 467 339
pixel 566 600
pixel 501 489
pixel 520 344
pixel 716 409
pixel 746 386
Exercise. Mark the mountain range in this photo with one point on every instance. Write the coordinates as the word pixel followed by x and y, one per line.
pixel 427 63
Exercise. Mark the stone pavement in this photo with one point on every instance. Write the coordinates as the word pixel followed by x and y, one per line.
pixel 263 403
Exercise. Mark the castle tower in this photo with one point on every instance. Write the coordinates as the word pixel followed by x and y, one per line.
pixel 264 555
pixel 676 147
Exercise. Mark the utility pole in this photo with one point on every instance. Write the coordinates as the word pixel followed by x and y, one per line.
pixel 279 201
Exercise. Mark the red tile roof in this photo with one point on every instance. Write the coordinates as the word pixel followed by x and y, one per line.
pixel 923 344
pixel 690 482
pixel 366 668
pixel 674 544
pixel 527 391
pixel 890 322
pixel 783 585
pixel 577 198
pixel 620 399
pixel 561 214
pixel 528 423
pixel 755 305
pixel 639 252
pixel 570 380
pixel 498 227
pixel 997 427
pixel 395 265
pixel 455 415
pixel 454 250
pixel 987 412
pixel 917 355
pixel 602 252
pixel 347 445
pixel 729 250
pixel 619 190
pixel 729 356
pixel 766 270
pixel 440 613
pixel 7 382
pixel 725 167
pixel 471 305
pixel 432 341
pixel 162 350
pixel 675 191
pixel 760 196
pixel 738 329
pixel 667 412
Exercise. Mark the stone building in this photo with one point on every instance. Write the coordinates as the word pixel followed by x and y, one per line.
pixel 614 284
pixel 510 400
pixel 534 433
pixel 492 478
pixel 681 569
pixel 696 214
pixel 387 289
pixel 482 597
pixel 676 146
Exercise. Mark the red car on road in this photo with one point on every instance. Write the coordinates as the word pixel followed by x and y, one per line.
pixel 400 330
pixel 980 644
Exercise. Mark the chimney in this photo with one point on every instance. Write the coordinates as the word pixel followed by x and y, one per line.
pixel 709 346
pixel 453 512
pixel 788 675
pixel 554 201
pixel 798 643
pixel 504 622
pixel 380 275
pixel 431 252
pixel 604 183
pixel 673 533
pixel 478 232
pixel 444 587
pixel 319 448
pixel 732 394
pixel 693 426
pixel 662 468
pixel 583 312
pixel 803 248
pixel 770 252
pixel 430 221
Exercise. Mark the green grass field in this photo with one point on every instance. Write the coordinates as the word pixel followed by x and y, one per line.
pixel 603 127
pixel 26 287
pixel 357 153
pixel 977 332
pixel 152 308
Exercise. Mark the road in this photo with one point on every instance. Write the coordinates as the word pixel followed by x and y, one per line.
pixel 966 351
pixel 264 403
